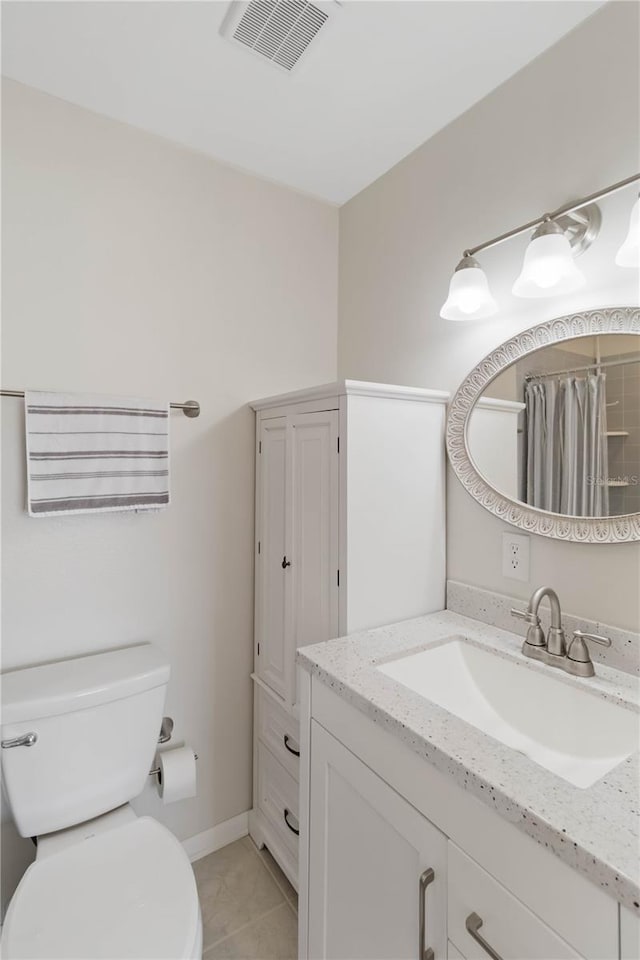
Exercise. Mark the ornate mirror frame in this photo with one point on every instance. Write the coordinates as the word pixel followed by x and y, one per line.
pixel 620 529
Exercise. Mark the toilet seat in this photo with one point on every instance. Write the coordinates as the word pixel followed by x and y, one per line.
pixel 127 893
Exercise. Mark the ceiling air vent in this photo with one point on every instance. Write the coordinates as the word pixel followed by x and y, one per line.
pixel 277 30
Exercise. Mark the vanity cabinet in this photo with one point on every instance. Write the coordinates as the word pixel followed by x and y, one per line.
pixel 374 816
pixel 385 882
pixel 350 534
pixel 378 869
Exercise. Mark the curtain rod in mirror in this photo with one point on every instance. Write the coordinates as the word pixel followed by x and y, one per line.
pixel 588 366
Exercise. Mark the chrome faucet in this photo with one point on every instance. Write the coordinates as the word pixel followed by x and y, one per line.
pixel 536 645
pixel 552 649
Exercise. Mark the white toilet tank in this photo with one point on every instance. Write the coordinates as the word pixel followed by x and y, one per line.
pixel 97 721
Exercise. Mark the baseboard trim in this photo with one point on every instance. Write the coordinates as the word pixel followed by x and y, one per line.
pixel 219 836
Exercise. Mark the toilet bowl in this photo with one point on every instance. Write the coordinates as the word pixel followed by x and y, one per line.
pixel 125 892
pixel 78 740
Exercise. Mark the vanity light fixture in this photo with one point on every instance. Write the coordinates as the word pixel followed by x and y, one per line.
pixel 549 266
pixel 469 295
pixel 629 253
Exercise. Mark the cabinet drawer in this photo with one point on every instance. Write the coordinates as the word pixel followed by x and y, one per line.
pixel 278 798
pixel 279 731
pixel 511 929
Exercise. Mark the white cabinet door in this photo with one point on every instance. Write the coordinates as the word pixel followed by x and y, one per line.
pixel 273 494
pixel 312 578
pixel 370 857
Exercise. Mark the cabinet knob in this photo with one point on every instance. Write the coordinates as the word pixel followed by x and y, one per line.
pixel 285 563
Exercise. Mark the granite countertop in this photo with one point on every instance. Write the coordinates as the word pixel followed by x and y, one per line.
pixel 594 830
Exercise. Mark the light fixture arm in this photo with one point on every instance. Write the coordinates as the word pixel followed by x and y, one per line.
pixel 561 211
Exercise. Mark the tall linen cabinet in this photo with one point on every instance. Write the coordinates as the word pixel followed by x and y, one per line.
pixel 350 534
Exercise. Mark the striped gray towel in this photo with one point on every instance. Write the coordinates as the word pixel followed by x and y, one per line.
pixel 88 453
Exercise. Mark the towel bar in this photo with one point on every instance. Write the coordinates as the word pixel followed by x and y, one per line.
pixel 190 408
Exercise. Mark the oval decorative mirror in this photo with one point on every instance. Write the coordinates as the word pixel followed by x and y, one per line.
pixel 545 431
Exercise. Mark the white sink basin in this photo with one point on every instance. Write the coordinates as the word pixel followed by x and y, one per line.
pixel 570 731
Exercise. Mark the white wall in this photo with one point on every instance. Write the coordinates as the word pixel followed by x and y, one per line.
pixel 565 126
pixel 132 266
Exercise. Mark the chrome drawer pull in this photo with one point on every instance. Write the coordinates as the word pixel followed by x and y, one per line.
pixel 296 753
pixel 424 952
pixel 287 814
pixel 26 740
pixel 473 924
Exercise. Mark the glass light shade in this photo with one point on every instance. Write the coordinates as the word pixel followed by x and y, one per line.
pixel 469 295
pixel 548 267
pixel 629 253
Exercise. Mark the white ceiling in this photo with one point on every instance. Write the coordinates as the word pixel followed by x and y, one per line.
pixel 380 81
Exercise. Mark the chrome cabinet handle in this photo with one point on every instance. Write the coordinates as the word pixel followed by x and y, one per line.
pixel 296 753
pixel 287 814
pixel 473 924
pixel 26 740
pixel 424 952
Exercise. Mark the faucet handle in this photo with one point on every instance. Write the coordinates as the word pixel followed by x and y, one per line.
pixel 578 649
pixel 596 637
pixel 578 656
pixel 531 618
pixel 535 633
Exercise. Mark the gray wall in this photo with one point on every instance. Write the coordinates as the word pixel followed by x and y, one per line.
pixel 132 266
pixel 563 127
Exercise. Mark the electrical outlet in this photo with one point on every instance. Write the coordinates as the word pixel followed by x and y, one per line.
pixel 515 556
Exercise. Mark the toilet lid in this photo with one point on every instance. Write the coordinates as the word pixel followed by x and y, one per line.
pixel 127 893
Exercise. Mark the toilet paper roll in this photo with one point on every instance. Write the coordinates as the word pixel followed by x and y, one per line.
pixel 176 774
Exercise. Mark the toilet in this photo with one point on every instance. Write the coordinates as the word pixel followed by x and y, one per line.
pixel 78 740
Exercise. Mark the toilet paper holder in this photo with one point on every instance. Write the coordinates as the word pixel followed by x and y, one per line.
pixel 156 770
pixel 166 732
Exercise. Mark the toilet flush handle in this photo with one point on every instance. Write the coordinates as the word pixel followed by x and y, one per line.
pixel 26 740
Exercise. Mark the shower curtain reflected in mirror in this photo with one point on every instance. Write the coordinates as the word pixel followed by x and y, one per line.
pixel 566 449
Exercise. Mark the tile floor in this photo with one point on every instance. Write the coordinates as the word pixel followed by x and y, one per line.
pixel 249 908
